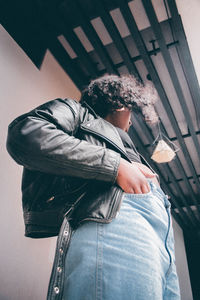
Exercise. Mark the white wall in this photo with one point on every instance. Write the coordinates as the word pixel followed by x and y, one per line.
pixel 26 263
pixel 181 263
pixel 190 15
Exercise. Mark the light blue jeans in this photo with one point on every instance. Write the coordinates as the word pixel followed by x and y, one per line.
pixel 131 258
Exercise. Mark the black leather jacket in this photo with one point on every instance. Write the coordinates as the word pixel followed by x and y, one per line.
pixel 70 158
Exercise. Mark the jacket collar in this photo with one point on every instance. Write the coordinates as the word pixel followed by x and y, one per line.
pixel 105 130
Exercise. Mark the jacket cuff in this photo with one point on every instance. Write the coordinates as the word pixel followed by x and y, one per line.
pixel 110 167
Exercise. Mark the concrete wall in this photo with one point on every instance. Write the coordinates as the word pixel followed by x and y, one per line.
pixel 190 15
pixel 181 263
pixel 26 263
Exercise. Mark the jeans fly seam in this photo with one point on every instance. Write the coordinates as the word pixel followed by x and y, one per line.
pixel 99 261
pixel 168 251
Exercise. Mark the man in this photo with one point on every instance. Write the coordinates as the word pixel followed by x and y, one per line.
pixel 79 172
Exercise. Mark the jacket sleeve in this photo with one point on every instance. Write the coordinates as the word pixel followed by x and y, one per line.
pixel 44 140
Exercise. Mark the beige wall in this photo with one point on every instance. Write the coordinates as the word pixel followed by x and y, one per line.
pixel 190 14
pixel 181 263
pixel 26 263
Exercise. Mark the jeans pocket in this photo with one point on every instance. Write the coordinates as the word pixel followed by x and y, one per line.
pixel 143 195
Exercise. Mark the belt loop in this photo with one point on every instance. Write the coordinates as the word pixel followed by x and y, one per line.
pixel 151 184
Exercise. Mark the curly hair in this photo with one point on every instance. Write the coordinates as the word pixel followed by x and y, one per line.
pixel 111 92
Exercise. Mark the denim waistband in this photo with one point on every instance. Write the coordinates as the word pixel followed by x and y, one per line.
pixel 159 192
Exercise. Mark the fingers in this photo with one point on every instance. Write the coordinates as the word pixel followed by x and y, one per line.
pixel 145 170
pixel 137 190
pixel 155 180
pixel 145 189
pixel 149 175
pixel 131 179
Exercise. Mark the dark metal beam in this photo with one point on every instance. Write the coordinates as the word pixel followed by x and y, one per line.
pixel 170 66
pixel 139 57
pixel 188 178
pixel 21 22
pixel 81 14
pixel 184 136
pixel 63 27
pixel 185 57
pixel 183 174
pixel 117 39
pixel 179 166
pixel 156 80
pixel 92 11
pixel 67 64
pixel 178 219
pixel 192 247
pixel 170 174
pixel 185 223
pixel 78 48
pixel 190 212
